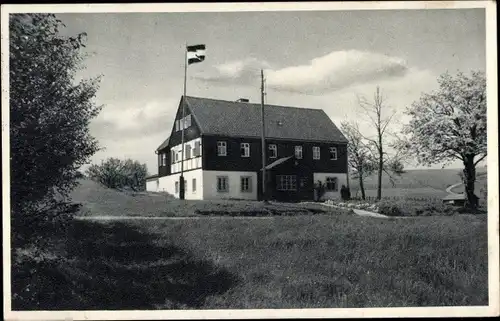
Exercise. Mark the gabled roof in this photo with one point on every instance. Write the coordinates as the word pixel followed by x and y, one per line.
pixel 241 119
pixel 164 144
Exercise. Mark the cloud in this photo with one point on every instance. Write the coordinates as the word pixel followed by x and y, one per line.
pixel 244 72
pixel 332 72
pixel 125 119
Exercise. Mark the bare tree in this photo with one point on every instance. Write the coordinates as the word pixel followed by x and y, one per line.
pixel 359 157
pixel 380 116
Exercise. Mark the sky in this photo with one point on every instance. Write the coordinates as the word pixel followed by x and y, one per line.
pixel 313 59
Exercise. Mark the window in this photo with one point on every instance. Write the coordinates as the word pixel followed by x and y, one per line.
pixel 273 151
pixel 331 184
pixel 222 184
pixel 245 149
pixel 177 156
pixel 197 149
pixel 286 182
pixel 172 156
pixel 164 159
pixel 316 152
pixel 159 159
pixel 188 121
pixel 298 152
pixel 193 185
pixel 177 125
pixel 333 153
pixel 221 149
pixel 188 151
pixel 176 187
pixel 246 184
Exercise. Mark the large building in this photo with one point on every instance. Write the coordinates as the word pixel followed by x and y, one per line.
pixel 223 157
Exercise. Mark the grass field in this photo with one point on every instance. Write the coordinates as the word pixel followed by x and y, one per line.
pixel 274 262
pixel 327 260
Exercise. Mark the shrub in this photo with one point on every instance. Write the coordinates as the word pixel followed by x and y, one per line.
pixel 116 173
pixel 412 207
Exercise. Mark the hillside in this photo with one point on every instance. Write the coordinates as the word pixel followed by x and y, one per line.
pixel 419 183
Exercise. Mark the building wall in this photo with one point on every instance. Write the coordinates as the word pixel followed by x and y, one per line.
pixel 341 180
pixel 234 162
pixel 210 185
pixel 189 164
pixel 152 185
pixel 190 134
pixel 167 184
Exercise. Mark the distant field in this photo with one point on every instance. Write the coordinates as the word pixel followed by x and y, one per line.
pixel 418 183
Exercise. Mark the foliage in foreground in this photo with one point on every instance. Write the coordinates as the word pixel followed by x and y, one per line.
pixel 49 111
pixel 117 173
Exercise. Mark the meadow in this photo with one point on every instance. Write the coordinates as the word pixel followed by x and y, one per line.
pixel 293 256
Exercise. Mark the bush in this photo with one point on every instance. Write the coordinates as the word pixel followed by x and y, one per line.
pixel 118 174
pixel 409 207
pixel 50 111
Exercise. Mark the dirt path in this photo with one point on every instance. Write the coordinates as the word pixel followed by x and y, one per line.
pixel 449 189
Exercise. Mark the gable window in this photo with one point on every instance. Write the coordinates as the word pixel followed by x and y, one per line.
pixel 176 125
pixel 193 185
pixel 316 152
pixel 187 121
pixel 188 151
pixel 273 151
pixel 286 182
pixel 163 159
pixel 197 149
pixel 331 184
pixel 298 152
pixel 245 149
pixel 177 156
pixel 176 187
pixel 222 184
pixel 246 184
pixel 333 153
pixel 221 148
pixel 172 156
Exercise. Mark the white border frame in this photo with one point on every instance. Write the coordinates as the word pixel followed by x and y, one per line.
pixel 493 222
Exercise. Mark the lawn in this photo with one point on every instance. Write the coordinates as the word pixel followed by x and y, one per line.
pixel 322 261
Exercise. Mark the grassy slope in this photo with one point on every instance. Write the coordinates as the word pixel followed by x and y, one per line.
pixel 340 261
pixel 98 200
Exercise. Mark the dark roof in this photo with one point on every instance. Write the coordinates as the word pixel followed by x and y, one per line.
pixel 241 119
pixel 277 162
pixel 164 144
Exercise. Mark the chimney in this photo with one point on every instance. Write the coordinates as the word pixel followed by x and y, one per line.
pixel 243 100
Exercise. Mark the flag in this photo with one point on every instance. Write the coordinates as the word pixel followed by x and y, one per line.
pixel 195 54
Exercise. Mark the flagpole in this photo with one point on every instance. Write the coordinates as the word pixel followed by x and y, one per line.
pixel 264 194
pixel 181 183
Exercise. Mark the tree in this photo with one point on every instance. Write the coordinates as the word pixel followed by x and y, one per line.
pixel 50 111
pixel 450 124
pixel 379 119
pixel 359 157
pixel 116 173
